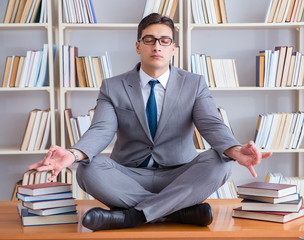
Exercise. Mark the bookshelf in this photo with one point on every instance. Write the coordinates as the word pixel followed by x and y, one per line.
pixel 242 38
pixel 25 98
pixel 114 27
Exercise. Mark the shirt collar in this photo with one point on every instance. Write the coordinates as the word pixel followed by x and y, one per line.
pixel 145 78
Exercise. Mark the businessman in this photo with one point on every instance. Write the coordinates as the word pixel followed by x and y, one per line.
pixel 154 171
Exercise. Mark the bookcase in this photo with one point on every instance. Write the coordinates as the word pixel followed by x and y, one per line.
pixel 114 32
pixel 14 99
pixel 241 39
pixel 17 102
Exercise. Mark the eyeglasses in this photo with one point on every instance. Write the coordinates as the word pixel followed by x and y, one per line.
pixel 150 40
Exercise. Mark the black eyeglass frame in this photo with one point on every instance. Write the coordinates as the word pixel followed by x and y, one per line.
pixel 156 39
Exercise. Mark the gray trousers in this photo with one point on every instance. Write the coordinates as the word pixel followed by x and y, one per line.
pixel 157 192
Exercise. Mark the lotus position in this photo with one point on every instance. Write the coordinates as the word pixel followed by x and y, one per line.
pixel 154 171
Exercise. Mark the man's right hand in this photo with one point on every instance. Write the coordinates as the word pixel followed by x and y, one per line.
pixel 56 159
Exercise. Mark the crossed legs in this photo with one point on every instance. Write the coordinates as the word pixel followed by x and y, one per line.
pixel 154 192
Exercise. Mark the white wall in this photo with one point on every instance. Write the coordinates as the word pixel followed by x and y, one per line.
pixel 242 107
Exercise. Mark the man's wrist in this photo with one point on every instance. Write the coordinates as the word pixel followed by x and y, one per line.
pixel 75 154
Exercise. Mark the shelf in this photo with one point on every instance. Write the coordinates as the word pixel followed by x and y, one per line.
pixel 80 89
pixel 103 26
pixel 16 151
pixel 13 89
pixel 19 26
pixel 249 26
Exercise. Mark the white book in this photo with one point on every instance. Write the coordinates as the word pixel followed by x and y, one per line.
pixel 296 69
pixel 204 68
pixel 66 65
pixel 212 11
pixel 272 130
pixel 200 11
pixel 198 64
pixel 298 128
pixel 66 11
pixel 43 67
pixel 273 68
pixel 89 10
pixel 25 69
pixel 42 12
pixel 257 140
pixel 84 11
pixel 41 129
pixel 169 8
pixel 71 11
pixel 195 10
pixel 77 11
pixel 156 6
pixel 148 7
pixel 268 11
pixel 35 69
pixel 83 123
pixel 266 129
pixel 193 64
pixel 35 131
pixel 30 67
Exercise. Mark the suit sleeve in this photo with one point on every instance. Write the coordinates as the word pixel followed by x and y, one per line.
pixel 103 126
pixel 208 122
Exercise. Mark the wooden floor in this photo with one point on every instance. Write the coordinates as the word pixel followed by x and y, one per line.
pixel 223 227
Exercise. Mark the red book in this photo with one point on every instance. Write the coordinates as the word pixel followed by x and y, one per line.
pixel 44 188
pixel 280 217
pixel 267 189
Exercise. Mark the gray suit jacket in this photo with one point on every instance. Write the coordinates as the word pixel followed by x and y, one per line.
pixel 120 109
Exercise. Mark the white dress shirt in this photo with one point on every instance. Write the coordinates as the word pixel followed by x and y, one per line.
pixel 159 91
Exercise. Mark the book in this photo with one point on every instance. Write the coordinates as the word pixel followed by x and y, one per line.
pixel 44 188
pixel 9 11
pixel 29 128
pixel 280 217
pixel 291 197
pixel 8 64
pixel 291 206
pixel 54 196
pixel 49 203
pixel 29 219
pixel 52 211
pixel 267 189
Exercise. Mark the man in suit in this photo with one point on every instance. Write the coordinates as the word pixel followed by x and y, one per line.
pixel 154 171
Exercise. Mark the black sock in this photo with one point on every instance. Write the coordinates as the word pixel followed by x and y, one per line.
pixel 134 218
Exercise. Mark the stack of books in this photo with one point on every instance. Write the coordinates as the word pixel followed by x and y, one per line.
pixel 78 11
pixel 163 7
pixel 269 202
pixel 46 203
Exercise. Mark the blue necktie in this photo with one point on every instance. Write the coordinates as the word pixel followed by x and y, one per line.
pixel 151 109
pixel 151 112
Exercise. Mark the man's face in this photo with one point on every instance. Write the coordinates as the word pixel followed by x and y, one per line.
pixel 155 58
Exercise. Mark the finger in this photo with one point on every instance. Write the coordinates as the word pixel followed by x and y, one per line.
pixel 54 176
pixel 266 155
pixel 252 171
pixel 35 165
pixel 45 168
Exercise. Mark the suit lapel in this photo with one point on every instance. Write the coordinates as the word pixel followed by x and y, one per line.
pixel 173 90
pixel 132 87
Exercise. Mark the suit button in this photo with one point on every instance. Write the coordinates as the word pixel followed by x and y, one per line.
pixel 151 148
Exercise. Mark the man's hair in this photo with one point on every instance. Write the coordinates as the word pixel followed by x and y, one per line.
pixel 154 18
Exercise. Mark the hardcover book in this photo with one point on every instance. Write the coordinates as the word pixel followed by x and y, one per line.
pixel 280 217
pixel 44 188
pixel 292 206
pixel 267 189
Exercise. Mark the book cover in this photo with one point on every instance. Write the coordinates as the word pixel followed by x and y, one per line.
pixel 29 219
pixel 267 189
pixel 52 211
pixel 44 188
pixel 287 198
pixel 49 203
pixel 28 198
pixel 291 206
pixel 280 217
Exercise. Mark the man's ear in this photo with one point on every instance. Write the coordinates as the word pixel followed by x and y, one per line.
pixel 137 48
